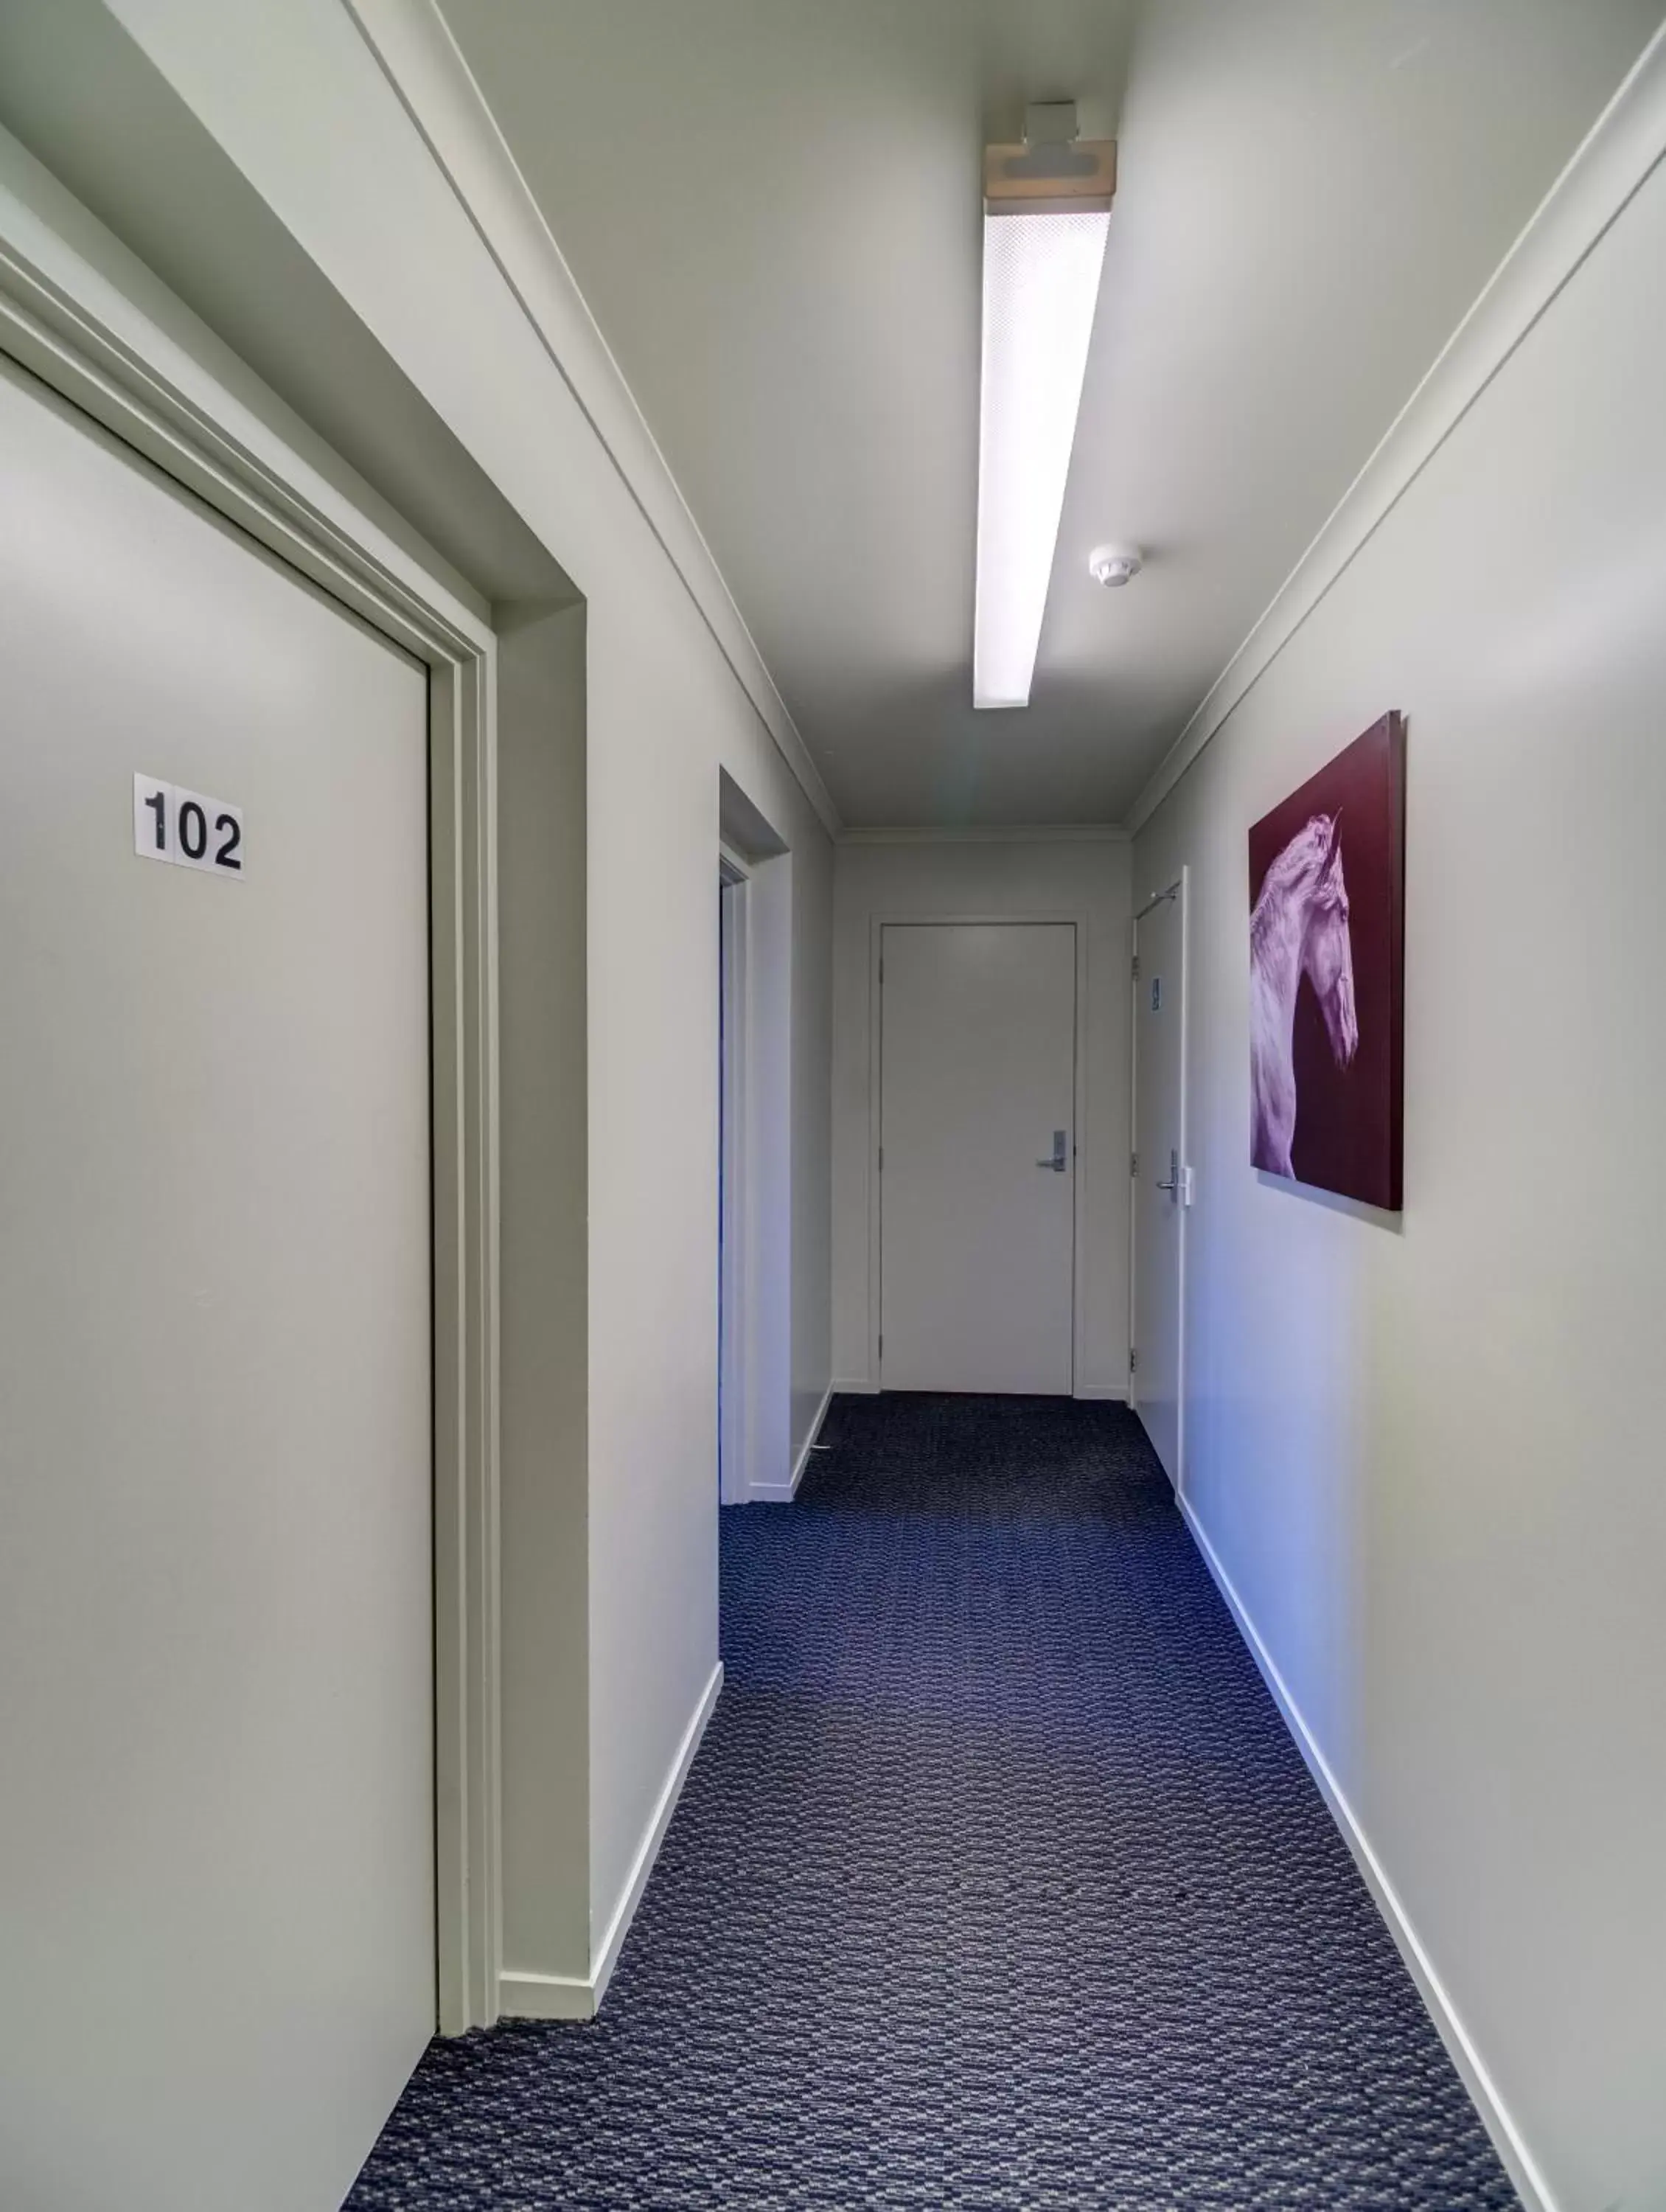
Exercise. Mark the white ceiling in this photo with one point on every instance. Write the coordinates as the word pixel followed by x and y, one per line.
pixel 773 208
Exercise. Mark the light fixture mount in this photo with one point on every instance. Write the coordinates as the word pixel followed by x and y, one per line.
pixel 1053 171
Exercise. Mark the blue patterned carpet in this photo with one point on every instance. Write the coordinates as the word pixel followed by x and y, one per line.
pixel 997 1883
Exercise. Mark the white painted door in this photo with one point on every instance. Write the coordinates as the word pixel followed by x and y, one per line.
pixel 216 1851
pixel 1161 1179
pixel 978 1141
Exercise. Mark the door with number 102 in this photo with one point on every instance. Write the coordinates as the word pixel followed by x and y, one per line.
pixel 216 1557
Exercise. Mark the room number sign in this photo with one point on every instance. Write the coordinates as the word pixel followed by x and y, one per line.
pixel 185 828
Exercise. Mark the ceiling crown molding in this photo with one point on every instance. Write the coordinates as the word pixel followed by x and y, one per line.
pixel 414 46
pixel 1623 146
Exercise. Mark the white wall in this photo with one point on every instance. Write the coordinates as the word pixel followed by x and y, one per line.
pixel 358 187
pixel 812 1138
pixel 1427 1452
pixel 543 1288
pixel 766 1315
pixel 988 877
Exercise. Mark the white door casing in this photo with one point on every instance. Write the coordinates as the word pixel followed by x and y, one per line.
pixel 977 1083
pixel 1162 1178
pixel 733 1404
pixel 216 1565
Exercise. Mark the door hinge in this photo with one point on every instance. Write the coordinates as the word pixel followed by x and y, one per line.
pixel 882 1159
pixel 1133 1360
pixel 1137 967
pixel 882 1347
pixel 1133 1163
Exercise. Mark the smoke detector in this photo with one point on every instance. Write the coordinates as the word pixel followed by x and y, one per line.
pixel 1114 564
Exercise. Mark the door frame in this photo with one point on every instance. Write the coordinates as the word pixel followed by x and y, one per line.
pixel 1180 889
pixel 733 1403
pixel 1076 919
pixel 71 313
pixel 755 1327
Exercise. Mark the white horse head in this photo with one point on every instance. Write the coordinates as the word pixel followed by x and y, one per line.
pixel 1327 953
pixel 1300 927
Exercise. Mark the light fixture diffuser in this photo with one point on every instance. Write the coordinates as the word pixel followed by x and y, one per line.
pixel 1046 213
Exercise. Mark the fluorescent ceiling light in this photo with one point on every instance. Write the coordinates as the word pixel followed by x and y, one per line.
pixel 1041 280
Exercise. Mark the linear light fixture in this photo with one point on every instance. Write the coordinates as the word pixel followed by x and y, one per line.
pixel 1046 209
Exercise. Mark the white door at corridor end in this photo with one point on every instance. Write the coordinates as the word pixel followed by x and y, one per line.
pixel 217 1612
pixel 977 1045
pixel 1161 1177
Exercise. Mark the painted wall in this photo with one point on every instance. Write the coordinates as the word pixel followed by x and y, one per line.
pixel 1427 1451
pixel 653 1188
pixel 665 708
pixel 544 1343
pixel 813 870
pixel 764 1309
pixel 985 878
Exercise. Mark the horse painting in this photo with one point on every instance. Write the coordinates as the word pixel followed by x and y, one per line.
pixel 1326 902
pixel 1299 927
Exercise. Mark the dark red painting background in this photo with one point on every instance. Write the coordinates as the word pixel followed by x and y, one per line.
pixel 1349 1125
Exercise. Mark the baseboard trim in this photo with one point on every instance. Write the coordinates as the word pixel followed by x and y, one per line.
pixel 546 1996
pixel 607 1955
pixel 861 1386
pixel 782 1493
pixel 569 1996
pixel 1119 1390
pixel 1496 2118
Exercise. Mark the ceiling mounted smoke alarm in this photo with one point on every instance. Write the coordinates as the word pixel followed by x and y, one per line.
pixel 1115 564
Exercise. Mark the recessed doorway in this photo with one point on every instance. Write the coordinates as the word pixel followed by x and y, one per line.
pixel 733 882
pixel 1162 1176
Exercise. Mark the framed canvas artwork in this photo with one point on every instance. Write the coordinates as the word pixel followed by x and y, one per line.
pixel 1327 956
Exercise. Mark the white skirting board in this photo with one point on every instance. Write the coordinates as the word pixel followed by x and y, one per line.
pixel 782 1493
pixel 1531 2183
pixel 571 1997
pixel 1115 1390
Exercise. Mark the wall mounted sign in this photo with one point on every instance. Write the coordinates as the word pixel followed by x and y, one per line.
pixel 186 827
pixel 1327 951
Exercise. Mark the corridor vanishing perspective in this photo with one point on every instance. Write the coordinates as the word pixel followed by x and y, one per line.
pixel 998 1881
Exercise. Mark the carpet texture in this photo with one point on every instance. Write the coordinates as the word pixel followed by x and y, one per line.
pixel 997 1882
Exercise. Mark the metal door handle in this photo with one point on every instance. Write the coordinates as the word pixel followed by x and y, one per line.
pixel 1173 1182
pixel 1059 1160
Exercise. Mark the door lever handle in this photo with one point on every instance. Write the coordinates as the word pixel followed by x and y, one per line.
pixel 1173 1182
pixel 1058 1160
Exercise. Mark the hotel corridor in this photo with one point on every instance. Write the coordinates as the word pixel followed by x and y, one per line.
pixel 998 1881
